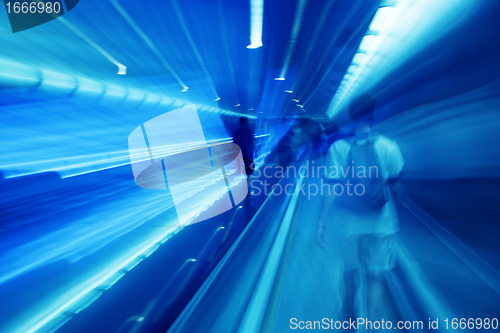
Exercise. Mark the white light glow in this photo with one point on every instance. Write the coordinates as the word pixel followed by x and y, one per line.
pixel 368 42
pixel 254 45
pixel 381 19
pixel 256 22
pixel 122 70
pixel 403 28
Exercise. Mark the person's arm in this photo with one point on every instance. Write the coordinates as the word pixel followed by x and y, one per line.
pixel 397 170
pixel 328 198
pixel 398 191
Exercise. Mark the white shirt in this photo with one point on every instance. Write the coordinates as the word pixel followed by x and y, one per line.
pixel 360 222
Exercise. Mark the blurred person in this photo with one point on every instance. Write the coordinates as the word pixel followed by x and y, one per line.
pixel 243 137
pixel 318 139
pixel 331 133
pixel 286 150
pixel 365 222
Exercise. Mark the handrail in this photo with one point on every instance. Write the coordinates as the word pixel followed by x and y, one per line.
pixel 254 315
pixel 228 231
pixel 477 264
pixel 191 307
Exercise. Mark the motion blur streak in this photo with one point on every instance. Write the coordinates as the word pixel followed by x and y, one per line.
pixel 122 69
pixel 148 41
pixel 33 159
pixel 194 48
pixel 224 34
pixel 318 68
pixel 297 23
pixel 314 39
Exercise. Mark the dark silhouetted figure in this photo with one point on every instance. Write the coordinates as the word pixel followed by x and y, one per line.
pixel 243 137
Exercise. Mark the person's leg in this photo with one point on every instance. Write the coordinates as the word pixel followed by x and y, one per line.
pixel 379 257
pixel 249 168
pixel 349 250
pixel 350 294
pixel 376 296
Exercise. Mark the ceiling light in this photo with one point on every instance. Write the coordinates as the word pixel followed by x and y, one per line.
pixel 256 23
pixel 122 70
pixel 254 46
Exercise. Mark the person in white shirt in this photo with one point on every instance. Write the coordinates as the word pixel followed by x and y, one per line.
pixel 361 211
